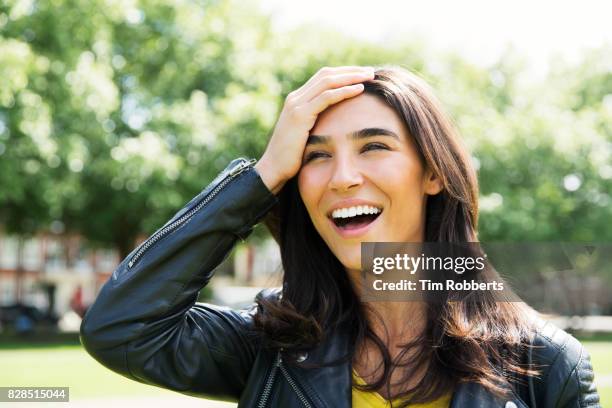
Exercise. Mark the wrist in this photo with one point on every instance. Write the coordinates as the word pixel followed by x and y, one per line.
pixel 269 176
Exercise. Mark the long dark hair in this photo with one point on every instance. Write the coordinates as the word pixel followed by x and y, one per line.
pixel 461 341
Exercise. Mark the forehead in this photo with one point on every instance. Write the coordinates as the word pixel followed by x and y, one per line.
pixel 360 112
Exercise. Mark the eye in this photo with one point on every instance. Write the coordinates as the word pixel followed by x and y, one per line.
pixel 313 155
pixel 374 146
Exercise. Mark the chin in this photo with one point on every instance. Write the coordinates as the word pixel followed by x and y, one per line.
pixel 349 254
pixel 351 261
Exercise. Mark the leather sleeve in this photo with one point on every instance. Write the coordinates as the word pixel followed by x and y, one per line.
pixel 145 323
pixel 579 389
pixel 568 378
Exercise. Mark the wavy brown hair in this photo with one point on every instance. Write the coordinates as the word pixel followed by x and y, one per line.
pixel 467 340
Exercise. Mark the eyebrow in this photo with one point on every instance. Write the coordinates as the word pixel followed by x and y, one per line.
pixel 356 135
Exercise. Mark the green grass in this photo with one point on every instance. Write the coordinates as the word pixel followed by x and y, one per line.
pixel 69 365
pixel 601 357
pixel 66 366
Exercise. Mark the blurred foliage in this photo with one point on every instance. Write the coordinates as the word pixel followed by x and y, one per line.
pixel 113 114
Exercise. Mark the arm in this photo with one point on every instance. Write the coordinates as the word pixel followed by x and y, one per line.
pixel 146 325
pixel 578 389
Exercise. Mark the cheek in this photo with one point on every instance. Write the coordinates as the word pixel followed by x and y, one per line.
pixel 310 187
pixel 404 188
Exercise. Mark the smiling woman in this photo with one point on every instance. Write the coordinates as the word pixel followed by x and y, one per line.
pixel 358 155
pixel 387 165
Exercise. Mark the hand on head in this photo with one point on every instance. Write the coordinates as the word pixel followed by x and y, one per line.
pixel 283 156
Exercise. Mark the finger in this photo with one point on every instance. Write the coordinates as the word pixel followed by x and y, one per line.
pixel 326 72
pixel 333 82
pixel 332 96
pixel 332 71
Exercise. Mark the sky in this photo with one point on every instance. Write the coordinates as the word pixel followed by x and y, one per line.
pixel 478 29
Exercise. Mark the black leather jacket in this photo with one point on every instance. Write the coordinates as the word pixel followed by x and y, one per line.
pixel 146 325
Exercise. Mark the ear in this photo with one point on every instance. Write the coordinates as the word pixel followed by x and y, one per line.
pixel 432 184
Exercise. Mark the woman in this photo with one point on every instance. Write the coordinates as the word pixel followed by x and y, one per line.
pixel 358 155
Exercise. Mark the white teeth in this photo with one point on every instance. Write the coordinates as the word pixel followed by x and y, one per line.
pixel 356 210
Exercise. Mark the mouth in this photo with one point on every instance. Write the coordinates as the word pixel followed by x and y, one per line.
pixel 350 226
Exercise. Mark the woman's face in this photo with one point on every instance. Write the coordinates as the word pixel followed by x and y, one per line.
pixel 360 158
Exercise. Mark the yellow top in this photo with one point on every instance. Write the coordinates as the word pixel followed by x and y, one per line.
pixel 372 399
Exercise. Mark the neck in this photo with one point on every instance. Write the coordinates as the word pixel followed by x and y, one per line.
pixel 393 321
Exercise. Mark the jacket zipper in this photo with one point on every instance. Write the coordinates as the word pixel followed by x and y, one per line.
pixel 268 387
pixel 233 172
pixel 291 382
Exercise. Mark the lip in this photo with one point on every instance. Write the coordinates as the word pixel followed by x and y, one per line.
pixel 350 203
pixel 353 232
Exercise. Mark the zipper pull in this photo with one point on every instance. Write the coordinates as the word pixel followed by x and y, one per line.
pixel 239 168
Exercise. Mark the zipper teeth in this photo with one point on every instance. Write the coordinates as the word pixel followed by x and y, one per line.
pixel 187 216
pixel 268 387
pixel 294 385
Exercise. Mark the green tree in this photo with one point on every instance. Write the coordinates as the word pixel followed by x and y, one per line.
pixel 113 114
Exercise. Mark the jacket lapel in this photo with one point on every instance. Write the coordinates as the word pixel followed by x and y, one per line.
pixel 330 386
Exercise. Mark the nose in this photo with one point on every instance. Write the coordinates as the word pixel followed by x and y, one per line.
pixel 345 175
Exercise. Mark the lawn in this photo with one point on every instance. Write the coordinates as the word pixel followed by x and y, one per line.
pixel 601 357
pixel 70 365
